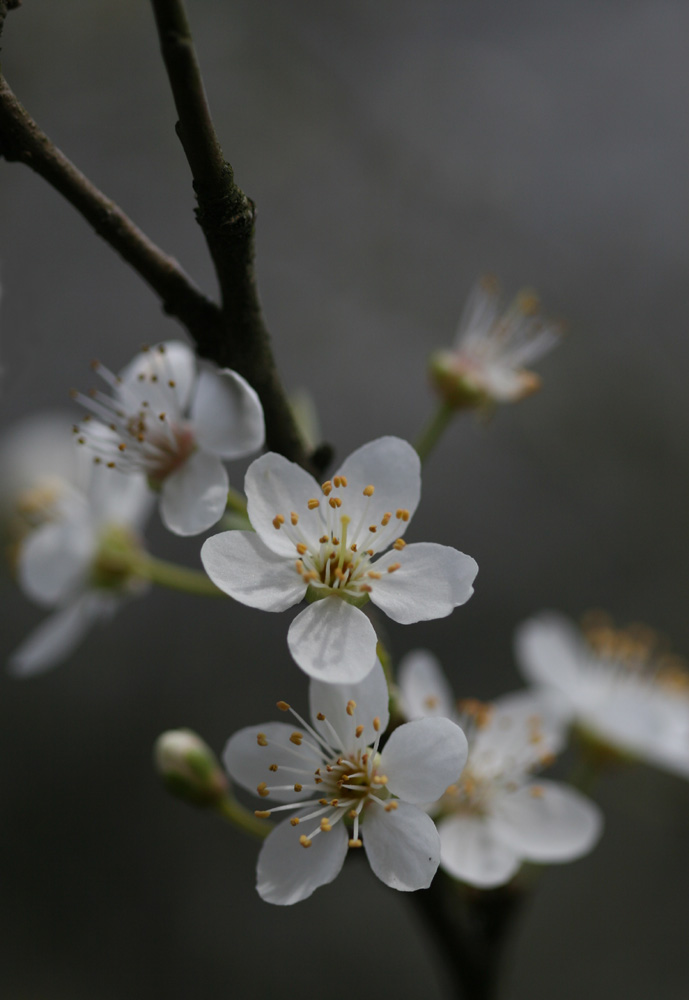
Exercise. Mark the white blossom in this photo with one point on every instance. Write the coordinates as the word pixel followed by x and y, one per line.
pixel 491 348
pixel 343 791
pixel 174 422
pixel 325 543
pixel 78 512
pixel 616 684
pixel 494 816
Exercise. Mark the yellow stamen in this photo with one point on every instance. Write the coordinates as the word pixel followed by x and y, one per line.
pixel 351 705
pixel 399 544
pixel 402 515
pixel 273 768
pixel 278 521
pixel 390 807
pixel 296 738
pixel 262 739
pixel 262 813
pixel 295 821
pixel 283 706
pixel 297 787
pixel 355 843
pixel 374 574
pixel 385 519
pixel 294 517
pixel 358 731
pixel 262 789
pixel 393 568
pixel 327 488
pixel 304 841
pixel 312 504
pixel 302 549
pixel 368 491
pixel 376 724
pixel 335 502
pixel 325 826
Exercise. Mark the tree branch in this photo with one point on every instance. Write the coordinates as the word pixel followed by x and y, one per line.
pixel 23 141
pixel 227 217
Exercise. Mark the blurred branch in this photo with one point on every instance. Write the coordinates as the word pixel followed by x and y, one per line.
pixel 5 7
pixel 227 217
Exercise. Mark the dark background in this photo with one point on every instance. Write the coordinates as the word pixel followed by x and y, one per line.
pixel 395 150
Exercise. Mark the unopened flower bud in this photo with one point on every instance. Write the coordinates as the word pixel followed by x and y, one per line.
pixel 189 767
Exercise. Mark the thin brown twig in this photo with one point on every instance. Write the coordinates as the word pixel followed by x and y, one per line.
pixel 227 217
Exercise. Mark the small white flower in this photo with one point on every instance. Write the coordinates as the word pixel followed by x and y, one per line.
pixel 63 562
pixel 175 423
pixel 616 684
pixel 494 816
pixel 343 791
pixel 492 346
pixel 325 543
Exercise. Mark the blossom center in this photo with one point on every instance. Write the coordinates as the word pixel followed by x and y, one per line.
pixel 340 562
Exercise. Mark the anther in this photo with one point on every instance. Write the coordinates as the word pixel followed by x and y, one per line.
pixel 283 706
pixel 399 544
pixel 336 541
pixel 322 802
pixel 296 738
pixel 536 792
pixel 273 768
pixel 302 549
pixel 351 705
pixel 161 416
pixel 393 567
pixel 368 491
pixel 262 813
pixel 402 515
pixel 385 519
pixel 366 588
pixel 325 826
pixel 323 539
pixel 369 552
pixel 122 447
pixel 335 502
pixel 172 383
pixel 295 821
pixel 380 779
pixel 304 841
pixel 353 546
pixel 320 717
pixel 312 504
pixel 334 803
pixel 262 789
pixel 262 739
pixel 327 488
pixel 390 807
pixel 299 565
pixel 297 787
pixel 111 465
pixel 337 482
pixel 355 843
pixel 294 517
pixel 374 574
pixel 278 521
pixel 372 528
pixel 376 724
pixel 353 813
pixel 358 731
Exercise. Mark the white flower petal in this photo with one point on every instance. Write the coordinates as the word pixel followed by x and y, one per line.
pixel 371 699
pixel 470 851
pixel 240 565
pixel 226 414
pixel 549 650
pixel 55 560
pixel 288 872
pixel 194 496
pixel 119 498
pixel 525 726
pixel 402 846
pixel 273 486
pixel 333 641
pixel 423 757
pixel 424 688
pixel 393 468
pixel 59 634
pixel 547 821
pixel 40 451
pixel 432 580
pixel 176 364
pixel 248 763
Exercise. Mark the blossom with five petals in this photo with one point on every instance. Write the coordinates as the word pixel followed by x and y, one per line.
pixel 345 792
pixel 617 685
pixel 175 422
pixel 486 362
pixel 493 816
pixel 69 559
pixel 325 543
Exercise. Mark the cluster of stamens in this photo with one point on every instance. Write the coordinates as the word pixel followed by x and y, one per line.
pixel 487 774
pixel 344 784
pixel 634 651
pixel 341 561
pixel 149 433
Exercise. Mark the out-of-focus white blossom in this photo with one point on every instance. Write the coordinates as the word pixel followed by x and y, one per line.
pixel 325 543
pixel 619 685
pixel 189 767
pixel 76 522
pixel 494 816
pixel 493 345
pixel 343 791
pixel 174 422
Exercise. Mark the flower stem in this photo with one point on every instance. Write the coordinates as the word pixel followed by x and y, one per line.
pixel 242 818
pixel 432 432
pixel 167 574
pixel 236 501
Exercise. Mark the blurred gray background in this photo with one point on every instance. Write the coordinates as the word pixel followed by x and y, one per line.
pixel 396 150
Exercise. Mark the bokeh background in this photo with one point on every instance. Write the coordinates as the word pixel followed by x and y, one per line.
pixel 396 150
